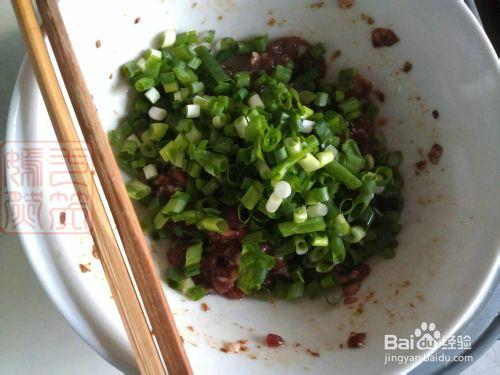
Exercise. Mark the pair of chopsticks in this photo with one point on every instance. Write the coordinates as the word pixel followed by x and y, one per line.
pixel 131 274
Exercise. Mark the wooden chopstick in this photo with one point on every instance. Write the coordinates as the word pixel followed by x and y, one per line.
pixel 109 252
pixel 163 331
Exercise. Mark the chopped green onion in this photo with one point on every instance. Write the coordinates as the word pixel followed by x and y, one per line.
pixel 252 196
pixel 317 210
pixel 295 290
pixel 273 203
pixel 176 204
pixel 356 234
pixel 255 101
pixel 144 84
pixel 153 95
pixel 167 38
pixel 300 214
pixel 157 113
pixel 316 224
pixel 188 37
pixel 260 43
pixel 193 260
pixel 309 163
pixel 301 245
pixel 321 99
pixel 320 240
pixel 242 79
pixel 214 224
pixel 318 195
pixel 195 293
pixel 212 65
pixel 150 171
pixel 137 190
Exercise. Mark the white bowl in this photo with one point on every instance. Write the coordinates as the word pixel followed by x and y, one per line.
pixel 449 243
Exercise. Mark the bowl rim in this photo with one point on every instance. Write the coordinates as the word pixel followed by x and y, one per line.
pixel 65 301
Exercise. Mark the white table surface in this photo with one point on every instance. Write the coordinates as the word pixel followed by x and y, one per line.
pixel 34 338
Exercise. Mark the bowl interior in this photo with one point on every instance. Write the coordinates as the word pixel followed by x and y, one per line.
pixel 448 249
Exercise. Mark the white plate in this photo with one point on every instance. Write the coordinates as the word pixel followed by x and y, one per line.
pixel 449 243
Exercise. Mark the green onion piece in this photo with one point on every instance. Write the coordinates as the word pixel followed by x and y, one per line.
pixel 350 105
pixel 242 79
pixel 318 195
pixel 356 234
pixel 306 96
pixel 209 36
pixel 324 267
pixel 293 145
pixel 137 190
pixel 306 80
pixel 212 65
pixel 309 163
pixel 174 277
pixel 155 132
pixel 144 84
pixel 300 214
pixel 184 74
pixel 338 251
pixel 241 94
pixel 141 105
pixel 260 43
pixel 282 74
pixel 153 65
pixel 318 254
pixel 280 154
pixel 129 148
pixel 316 224
pixel 340 225
pixel 195 293
pixel 193 260
pixel 189 217
pixel 214 224
pixel 167 38
pixel 194 63
pixel 176 204
pixel 301 245
pixel 193 136
pixel 253 268
pixel 339 96
pixel 252 196
pixel 148 149
pixel 183 52
pixel 319 240
pixel 295 290
pixel 139 163
pixel 130 69
pixel 325 157
pixel 243 48
pixel 188 37
pixel 342 174
pixel 280 170
pixel 185 285
pixel 196 87
pixel 370 161
pixel 321 99
pixel 194 169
